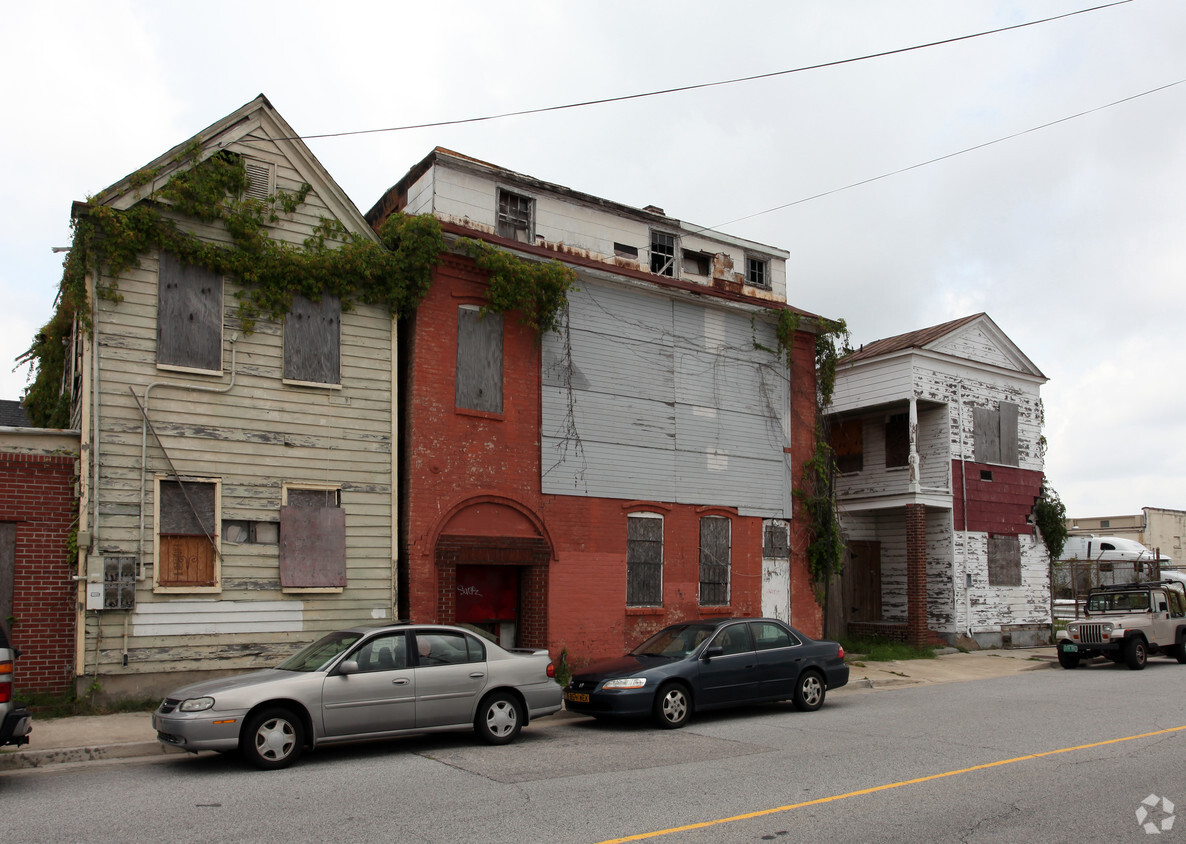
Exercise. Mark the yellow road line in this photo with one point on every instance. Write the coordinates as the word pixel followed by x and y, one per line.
pixel 886 787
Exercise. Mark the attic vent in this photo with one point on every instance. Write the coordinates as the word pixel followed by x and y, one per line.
pixel 260 177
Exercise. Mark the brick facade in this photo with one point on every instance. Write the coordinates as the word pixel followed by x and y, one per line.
pixel 37 497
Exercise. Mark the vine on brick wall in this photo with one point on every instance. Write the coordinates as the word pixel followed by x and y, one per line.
pixel 538 290
pixel 395 272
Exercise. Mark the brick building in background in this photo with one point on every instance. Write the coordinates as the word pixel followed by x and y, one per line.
pixel 37 514
pixel 582 489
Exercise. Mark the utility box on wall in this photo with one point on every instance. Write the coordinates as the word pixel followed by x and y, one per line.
pixel 111 583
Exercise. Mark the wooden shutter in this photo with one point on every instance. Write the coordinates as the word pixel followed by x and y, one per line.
pixel 986 432
pixel 1008 433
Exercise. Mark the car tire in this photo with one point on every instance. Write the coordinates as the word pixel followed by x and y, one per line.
pixel 1180 652
pixel 499 718
pixel 809 691
pixel 1136 653
pixel 273 739
pixel 1067 660
pixel 673 705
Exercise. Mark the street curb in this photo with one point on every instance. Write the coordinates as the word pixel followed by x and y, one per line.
pixel 27 759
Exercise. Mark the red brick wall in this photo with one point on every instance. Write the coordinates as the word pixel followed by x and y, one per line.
pixel 37 494
pixel 999 506
pixel 457 462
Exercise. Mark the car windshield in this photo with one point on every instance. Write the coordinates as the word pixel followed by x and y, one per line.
pixel 1118 602
pixel 675 642
pixel 316 655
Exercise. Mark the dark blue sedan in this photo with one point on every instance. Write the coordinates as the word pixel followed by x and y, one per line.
pixel 701 665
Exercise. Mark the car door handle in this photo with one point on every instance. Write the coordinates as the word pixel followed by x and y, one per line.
pixel 476 675
pixel 400 681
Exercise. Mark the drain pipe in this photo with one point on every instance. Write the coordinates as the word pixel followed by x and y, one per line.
pixel 959 397
pixel 195 388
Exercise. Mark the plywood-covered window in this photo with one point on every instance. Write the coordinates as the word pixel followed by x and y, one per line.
pixel 897 440
pixel 479 360
pixel 1004 561
pixel 187 529
pixel 776 540
pixel 312 538
pixel 644 560
pixel 313 340
pixel 189 315
pixel 715 535
pixel 995 434
pixel 848 444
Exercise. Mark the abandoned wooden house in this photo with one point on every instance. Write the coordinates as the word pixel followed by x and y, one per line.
pixel 633 467
pixel 938 440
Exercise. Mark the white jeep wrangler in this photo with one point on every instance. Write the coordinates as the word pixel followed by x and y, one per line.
pixel 1128 621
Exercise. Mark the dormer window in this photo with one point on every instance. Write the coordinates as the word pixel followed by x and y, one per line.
pixel 757 272
pixel 663 253
pixel 515 216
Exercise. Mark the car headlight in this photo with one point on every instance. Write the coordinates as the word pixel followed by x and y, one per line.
pixel 196 704
pixel 625 683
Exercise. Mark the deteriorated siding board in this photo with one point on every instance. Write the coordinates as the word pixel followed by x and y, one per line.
pixel 659 414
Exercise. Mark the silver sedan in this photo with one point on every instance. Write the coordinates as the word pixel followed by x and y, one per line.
pixel 364 683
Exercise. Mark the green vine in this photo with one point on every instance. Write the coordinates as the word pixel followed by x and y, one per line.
pixel 394 273
pixel 538 290
pixel 1050 517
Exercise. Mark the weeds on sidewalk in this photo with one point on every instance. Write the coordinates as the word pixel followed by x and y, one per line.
pixel 47 706
pixel 883 650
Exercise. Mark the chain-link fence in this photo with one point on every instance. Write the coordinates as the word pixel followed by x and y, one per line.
pixel 1071 580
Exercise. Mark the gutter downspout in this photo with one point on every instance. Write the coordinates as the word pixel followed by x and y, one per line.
pixel 144 443
pixel 959 398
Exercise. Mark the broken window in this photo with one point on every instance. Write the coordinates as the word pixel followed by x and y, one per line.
pixel 189 315
pixel 644 560
pixel 847 441
pixel 244 532
pixel 757 272
pixel 479 360
pixel 515 216
pixel 714 561
pixel 187 525
pixel 897 440
pixel 312 538
pixel 663 253
pixel 995 434
pixel 697 263
pixel 1004 561
pixel 313 340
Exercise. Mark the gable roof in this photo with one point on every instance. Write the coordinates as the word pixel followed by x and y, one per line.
pixel 937 339
pixel 12 414
pixel 255 121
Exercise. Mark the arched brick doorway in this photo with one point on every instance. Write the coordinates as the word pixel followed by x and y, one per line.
pixel 492 571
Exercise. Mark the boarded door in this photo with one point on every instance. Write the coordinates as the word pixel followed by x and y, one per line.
pixel 862 582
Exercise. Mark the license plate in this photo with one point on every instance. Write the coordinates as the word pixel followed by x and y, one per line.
pixel 577 697
pixel 1070 648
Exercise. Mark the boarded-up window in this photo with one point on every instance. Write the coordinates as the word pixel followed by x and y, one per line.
pixel 188 523
pixel 1004 561
pixel 313 340
pixel 776 541
pixel 847 441
pixel 995 434
pixel 897 440
pixel 189 315
pixel 479 360
pixel 644 560
pixel 714 561
pixel 313 540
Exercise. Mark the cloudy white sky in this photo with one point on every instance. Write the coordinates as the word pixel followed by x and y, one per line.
pixel 1072 238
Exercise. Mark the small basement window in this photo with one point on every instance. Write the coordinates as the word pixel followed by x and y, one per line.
pixel 985 475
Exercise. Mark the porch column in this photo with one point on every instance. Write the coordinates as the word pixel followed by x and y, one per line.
pixel 916 575
pixel 915 481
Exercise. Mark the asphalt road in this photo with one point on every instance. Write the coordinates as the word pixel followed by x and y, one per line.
pixel 1042 756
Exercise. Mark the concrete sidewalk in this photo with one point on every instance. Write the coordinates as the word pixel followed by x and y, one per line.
pixel 125 735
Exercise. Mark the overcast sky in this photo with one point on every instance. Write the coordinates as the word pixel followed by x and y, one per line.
pixel 1072 238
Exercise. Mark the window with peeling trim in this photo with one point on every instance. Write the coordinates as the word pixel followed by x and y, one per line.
pixel 312 538
pixel 187 527
pixel 515 217
pixel 757 272
pixel 644 560
pixel 663 253
pixel 1004 561
pixel 715 553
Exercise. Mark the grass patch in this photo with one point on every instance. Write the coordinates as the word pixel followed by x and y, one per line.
pixel 882 650
pixel 49 706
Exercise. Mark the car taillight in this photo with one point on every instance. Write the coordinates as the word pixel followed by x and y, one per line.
pixel 5 692
pixel 840 648
pixel 552 671
pixel 6 667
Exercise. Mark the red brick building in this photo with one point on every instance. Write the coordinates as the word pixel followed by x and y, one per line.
pixel 38 595
pixel 581 490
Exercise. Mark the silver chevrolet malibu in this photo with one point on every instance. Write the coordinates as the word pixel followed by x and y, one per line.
pixel 364 683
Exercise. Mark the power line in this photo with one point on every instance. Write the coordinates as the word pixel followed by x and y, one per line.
pixel 943 157
pixel 682 88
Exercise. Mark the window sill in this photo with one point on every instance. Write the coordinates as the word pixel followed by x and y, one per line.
pixel 158 589
pixel 313 590
pixel 316 385
pixel 711 611
pixel 190 370
pixel 480 414
pixel 644 611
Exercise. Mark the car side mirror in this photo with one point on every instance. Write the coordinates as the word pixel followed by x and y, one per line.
pixel 715 650
pixel 350 666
